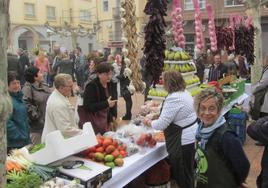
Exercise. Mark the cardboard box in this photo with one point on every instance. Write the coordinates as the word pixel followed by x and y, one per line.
pixel 91 174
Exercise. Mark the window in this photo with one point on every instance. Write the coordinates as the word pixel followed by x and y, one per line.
pixel 51 13
pixel 84 15
pixel 29 10
pixel 229 3
pixel 189 43
pixel 105 6
pixel 188 4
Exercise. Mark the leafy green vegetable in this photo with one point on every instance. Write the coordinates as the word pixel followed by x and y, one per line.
pixel 45 172
pixel 37 147
pixel 23 179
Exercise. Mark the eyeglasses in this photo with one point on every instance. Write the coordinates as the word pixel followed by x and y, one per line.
pixel 210 109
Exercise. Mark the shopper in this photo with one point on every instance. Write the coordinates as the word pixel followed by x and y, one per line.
pixel 13 64
pixel 178 120
pixel 98 100
pixel 217 69
pixel 35 95
pixel 59 112
pixel 17 126
pixel 66 65
pixel 124 78
pixel 42 63
pixel 221 161
pixel 91 71
pixel 258 130
pixel 261 89
pixel 24 63
pixel 147 77
pixel 200 62
pixel 80 64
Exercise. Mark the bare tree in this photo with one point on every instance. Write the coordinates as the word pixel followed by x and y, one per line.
pixel 5 101
pixel 68 30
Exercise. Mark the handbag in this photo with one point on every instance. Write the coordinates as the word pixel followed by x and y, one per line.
pixel 33 111
pixel 98 119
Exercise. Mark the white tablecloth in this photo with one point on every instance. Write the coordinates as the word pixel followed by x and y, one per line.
pixel 248 91
pixel 238 101
pixel 135 165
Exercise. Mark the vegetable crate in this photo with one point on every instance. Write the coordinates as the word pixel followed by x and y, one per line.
pixel 237 121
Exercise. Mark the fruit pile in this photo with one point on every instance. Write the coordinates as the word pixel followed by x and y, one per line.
pixel 193 80
pixel 146 140
pixel 107 151
pixel 177 56
pixel 188 67
pixel 195 91
pixel 157 92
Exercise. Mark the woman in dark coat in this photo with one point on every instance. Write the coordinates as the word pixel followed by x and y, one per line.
pixel 98 98
pixel 35 94
pixel 17 126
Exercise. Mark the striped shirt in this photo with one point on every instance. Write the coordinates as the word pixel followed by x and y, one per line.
pixel 178 108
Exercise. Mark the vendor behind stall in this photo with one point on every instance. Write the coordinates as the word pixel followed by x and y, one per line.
pixel 217 70
pixel 179 122
pixel 59 112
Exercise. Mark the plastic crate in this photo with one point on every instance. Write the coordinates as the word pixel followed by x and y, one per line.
pixel 237 122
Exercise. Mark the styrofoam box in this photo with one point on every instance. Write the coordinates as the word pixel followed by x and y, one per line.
pixel 57 147
pixel 94 175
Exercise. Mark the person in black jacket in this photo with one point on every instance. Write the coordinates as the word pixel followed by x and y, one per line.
pixel 258 130
pixel 125 93
pixel 98 95
pixel 24 63
pixel 13 64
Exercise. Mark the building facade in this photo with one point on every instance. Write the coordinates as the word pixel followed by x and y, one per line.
pixel 28 19
pixel 100 19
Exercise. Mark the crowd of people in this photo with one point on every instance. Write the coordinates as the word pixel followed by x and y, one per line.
pixel 198 138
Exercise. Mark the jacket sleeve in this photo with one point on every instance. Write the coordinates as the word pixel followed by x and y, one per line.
pixel 234 153
pixel 258 130
pixel 13 132
pixel 90 100
pixel 262 83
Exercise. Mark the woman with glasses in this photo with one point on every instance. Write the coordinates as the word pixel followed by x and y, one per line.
pixel 221 161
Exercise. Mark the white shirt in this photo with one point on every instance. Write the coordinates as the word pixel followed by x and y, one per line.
pixel 178 108
pixel 59 116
